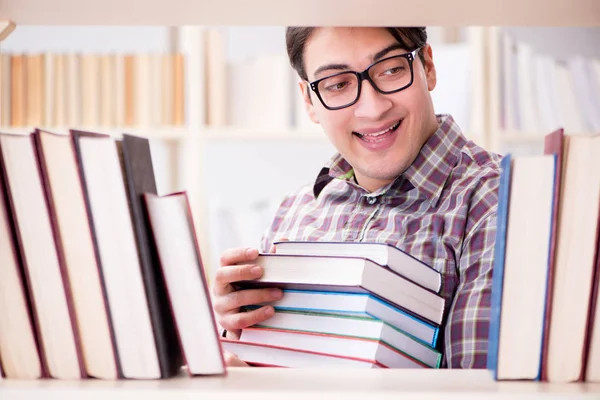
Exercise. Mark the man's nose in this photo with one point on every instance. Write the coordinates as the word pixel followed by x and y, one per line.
pixel 371 104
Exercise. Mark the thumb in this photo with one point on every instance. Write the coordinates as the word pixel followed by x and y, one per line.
pixel 231 360
pixel 273 248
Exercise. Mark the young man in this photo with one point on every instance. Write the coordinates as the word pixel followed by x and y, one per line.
pixel 403 176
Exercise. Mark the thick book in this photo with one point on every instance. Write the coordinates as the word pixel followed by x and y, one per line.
pixel 60 173
pixel 47 282
pixel 358 327
pixel 592 369
pixel 188 294
pixel 18 346
pixel 498 270
pixel 381 253
pixel 358 304
pixel 139 173
pixel 553 145
pixel 347 274
pixel 525 269
pixel 265 355
pixel 575 261
pixel 117 254
pixel 346 346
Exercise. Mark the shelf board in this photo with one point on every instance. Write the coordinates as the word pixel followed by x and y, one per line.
pixel 279 383
pixel 239 133
pixel 165 133
pixel 303 12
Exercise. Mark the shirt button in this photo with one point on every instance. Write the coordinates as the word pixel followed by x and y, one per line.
pixel 371 200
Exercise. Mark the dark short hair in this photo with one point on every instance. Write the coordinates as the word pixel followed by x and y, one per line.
pixel 296 37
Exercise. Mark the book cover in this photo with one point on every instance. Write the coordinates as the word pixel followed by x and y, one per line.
pixel 139 172
pixel 498 271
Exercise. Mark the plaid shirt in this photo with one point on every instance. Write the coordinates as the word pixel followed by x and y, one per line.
pixel 442 210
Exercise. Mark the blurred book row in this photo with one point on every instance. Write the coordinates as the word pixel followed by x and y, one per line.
pixel 92 90
pixel 540 93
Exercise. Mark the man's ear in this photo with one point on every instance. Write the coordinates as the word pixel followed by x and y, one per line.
pixel 308 104
pixel 429 66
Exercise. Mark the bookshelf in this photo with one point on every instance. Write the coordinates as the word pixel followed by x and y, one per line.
pixel 268 383
pixel 272 383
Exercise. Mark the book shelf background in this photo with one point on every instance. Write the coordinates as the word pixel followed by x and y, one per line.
pixel 242 139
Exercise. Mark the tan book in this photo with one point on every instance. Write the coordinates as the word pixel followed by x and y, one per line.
pixel 60 91
pixel 167 89
pixel 216 79
pixel 35 90
pixel 5 86
pixel 73 231
pixel 575 262
pixel 90 71
pixel 107 90
pixel 142 90
pixel 155 85
pixel 119 99
pixel 178 90
pixel 130 89
pixel 73 84
pixel 49 89
pixel 20 357
pixel 18 114
pixel 48 287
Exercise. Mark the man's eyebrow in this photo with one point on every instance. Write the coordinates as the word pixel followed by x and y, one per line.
pixel 337 67
pixel 380 54
pixel 342 67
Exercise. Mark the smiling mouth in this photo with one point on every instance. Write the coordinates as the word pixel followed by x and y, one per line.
pixel 377 136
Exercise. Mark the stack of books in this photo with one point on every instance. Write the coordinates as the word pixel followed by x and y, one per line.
pixel 366 305
pixel 99 276
pixel 545 322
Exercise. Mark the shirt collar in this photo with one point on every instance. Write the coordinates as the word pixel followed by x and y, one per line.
pixel 428 173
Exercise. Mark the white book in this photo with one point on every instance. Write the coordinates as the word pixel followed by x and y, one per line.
pixel 351 326
pixel 347 274
pixel 18 348
pixel 61 175
pixel 118 255
pixel 336 345
pixel 575 260
pixel 38 251
pixel 381 253
pixel 273 356
pixel 189 296
pixel 357 304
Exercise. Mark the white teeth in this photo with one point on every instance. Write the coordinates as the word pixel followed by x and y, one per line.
pixel 382 132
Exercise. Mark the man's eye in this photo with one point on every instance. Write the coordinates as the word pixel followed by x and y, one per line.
pixel 394 71
pixel 336 87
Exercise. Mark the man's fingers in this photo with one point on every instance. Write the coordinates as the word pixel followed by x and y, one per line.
pixel 239 255
pixel 231 360
pixel 273 248
pixel 241 320
pixel 226 275
pixel 239 298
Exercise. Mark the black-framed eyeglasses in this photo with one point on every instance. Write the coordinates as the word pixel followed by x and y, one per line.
pixel 390 75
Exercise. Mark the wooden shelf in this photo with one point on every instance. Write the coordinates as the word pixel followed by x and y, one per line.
pixel 302 12
pixel 239 133
pixel 166 133
pixel 274 383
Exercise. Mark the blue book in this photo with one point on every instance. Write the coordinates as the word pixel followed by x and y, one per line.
pixel 358 305
pixel 498 273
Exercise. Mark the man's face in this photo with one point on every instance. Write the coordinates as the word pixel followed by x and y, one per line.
pixel 406 118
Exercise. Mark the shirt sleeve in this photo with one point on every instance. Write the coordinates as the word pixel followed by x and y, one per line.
pixel 467 326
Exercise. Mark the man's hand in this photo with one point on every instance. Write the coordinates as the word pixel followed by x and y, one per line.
pixel 231 360
pixel 236 265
